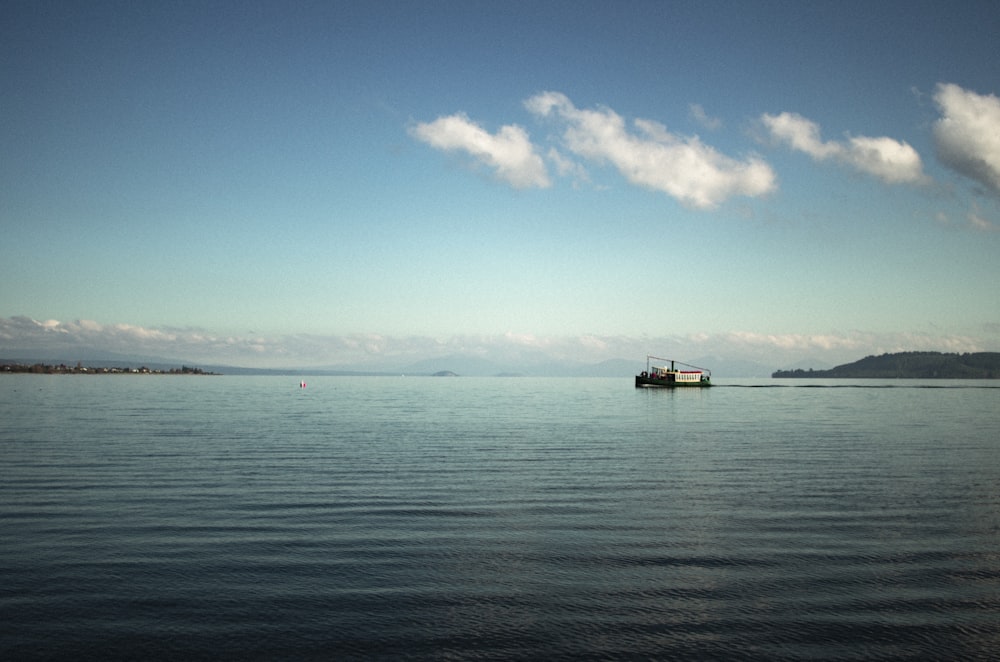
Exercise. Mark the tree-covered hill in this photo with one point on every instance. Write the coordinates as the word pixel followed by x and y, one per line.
pixel 911 365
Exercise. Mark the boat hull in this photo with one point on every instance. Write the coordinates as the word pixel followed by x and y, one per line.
pixel 654 382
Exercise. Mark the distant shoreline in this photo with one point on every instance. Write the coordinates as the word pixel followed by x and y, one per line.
pixel 79 369
pixel 908 365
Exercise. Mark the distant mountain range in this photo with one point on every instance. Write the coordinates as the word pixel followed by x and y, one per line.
pixel 459 365
pixel 910 365
pixel 472 366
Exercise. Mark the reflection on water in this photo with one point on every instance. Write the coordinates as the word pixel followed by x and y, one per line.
pixel 245 517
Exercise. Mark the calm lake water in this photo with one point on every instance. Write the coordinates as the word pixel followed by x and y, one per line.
pixel 497 518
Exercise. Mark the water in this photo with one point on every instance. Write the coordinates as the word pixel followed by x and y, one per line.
pixel 492 518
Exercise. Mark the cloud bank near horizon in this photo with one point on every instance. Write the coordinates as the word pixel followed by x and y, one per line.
pixel 25 338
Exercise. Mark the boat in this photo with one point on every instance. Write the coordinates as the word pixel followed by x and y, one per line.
pixel 661 376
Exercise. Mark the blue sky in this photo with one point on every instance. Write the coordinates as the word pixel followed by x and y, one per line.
pixel 322 183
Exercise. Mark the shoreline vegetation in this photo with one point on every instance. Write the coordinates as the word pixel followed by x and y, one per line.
pixel 908 365
pixel 80 369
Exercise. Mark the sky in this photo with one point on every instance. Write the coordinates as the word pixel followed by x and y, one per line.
pixel 331 183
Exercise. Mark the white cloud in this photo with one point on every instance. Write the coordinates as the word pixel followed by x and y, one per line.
pixel 967 136
pixel 509 152
pixel 703 118
pixel 979 222
pixel 800 134
pixel 973 219
pixel 567 167
pixel 680 166
pixel 21 336
pixel 783 350
pixel 25 338
pixel 892 161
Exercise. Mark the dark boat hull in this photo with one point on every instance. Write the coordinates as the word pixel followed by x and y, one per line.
pixel 653 382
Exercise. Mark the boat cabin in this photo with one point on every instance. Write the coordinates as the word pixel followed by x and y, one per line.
pixel 662 375
pixel 663 372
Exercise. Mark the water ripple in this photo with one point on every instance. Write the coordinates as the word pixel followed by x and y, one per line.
pixel 242 520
